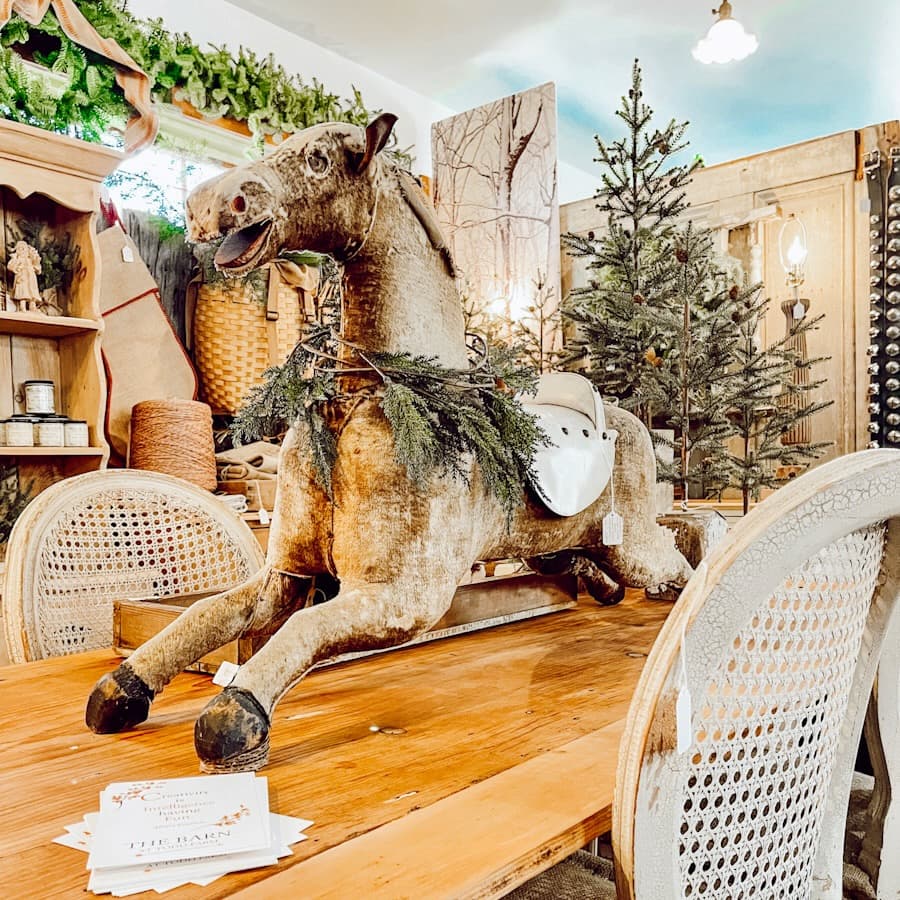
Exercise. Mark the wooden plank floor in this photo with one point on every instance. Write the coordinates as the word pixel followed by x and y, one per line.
pixel 458 712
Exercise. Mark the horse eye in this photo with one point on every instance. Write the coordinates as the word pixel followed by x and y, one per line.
pixel 318 162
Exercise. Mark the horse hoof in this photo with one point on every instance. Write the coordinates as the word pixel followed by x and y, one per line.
pixel 120 700
pixel 667 592
pixel 232 733
pixel 603 596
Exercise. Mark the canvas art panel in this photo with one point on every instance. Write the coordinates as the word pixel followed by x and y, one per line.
pixel 495 193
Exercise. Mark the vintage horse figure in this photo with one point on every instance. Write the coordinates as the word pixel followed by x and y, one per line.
pixel 399 551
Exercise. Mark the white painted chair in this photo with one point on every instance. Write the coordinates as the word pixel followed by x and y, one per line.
pixel 878 860
pixel 776 640
pixel 88 540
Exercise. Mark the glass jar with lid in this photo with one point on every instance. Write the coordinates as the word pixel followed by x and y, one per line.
pixel 76 433
pixel 40 397
pixel 20 431
pixel 49 431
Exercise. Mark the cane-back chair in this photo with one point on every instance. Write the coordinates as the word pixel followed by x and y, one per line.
pixel 736 761
pixel 876 858
pixel 95 538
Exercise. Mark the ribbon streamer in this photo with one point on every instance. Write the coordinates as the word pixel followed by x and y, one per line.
pixel 144 123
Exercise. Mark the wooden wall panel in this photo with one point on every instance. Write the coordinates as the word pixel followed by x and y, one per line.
pixel 820 181
pixel 822 207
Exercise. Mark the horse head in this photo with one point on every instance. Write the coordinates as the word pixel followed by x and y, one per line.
pixel 317 192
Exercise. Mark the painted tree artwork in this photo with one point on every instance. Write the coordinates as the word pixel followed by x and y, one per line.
pixel 496 199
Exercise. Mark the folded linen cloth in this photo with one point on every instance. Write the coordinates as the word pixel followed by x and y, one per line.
pixel 256 460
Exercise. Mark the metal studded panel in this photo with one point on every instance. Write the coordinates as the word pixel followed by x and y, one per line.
pixel 884 298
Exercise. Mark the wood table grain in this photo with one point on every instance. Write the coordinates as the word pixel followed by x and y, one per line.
pixel 496 756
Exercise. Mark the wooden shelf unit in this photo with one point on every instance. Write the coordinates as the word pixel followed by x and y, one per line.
pixel 55 180
pixel 39 325
pixel 52 451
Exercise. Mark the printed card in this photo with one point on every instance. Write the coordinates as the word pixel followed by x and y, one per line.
pixel 143 822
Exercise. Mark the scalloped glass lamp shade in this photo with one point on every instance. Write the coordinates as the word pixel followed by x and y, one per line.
pixel 727 40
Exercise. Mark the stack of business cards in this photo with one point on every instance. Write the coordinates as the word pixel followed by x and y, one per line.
pixel 157 835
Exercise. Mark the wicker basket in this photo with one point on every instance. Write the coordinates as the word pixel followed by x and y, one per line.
pixel 236 337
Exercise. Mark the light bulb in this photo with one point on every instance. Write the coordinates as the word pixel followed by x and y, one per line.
pixel 796 254
pixel 727 40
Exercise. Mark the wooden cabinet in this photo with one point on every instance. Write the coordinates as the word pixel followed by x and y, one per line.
pixel 54 180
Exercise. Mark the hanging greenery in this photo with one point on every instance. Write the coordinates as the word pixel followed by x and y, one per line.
pixel 13 499
pixel 438 415
pixel 241 86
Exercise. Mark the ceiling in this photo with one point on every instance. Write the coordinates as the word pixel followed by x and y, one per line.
pixel 822 65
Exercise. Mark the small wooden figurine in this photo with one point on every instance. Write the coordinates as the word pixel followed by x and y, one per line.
pixel 25 264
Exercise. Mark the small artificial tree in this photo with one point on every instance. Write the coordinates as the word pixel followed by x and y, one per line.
pixel 670 333
pixel 633 268
pixel 536 333
pixel 761 380
pixel 693 380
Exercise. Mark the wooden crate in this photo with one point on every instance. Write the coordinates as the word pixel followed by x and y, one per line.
pixel 482 603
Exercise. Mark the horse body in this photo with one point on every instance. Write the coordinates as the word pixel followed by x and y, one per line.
pixel 398 550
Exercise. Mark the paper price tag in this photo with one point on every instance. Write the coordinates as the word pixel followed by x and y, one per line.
pixel 799 311
pixel 225 673
pixel 683 727
pixel 264 518
pixel 613 528
pixel 684 737
pixel 127 254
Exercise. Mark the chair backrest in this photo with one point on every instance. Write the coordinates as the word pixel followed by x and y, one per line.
pixel 95 538
pixel 764 667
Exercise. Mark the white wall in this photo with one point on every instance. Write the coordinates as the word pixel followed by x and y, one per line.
pixel 218 22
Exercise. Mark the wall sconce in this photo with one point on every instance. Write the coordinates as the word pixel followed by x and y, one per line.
pixel 726 41
pixel 793 249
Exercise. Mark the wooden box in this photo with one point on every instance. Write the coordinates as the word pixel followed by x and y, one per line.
pixel 482 603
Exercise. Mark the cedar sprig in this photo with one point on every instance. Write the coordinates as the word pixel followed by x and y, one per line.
pixel 440 417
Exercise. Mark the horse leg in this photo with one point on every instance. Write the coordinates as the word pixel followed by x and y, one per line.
pixel 232 733
pixel 121 699
pixel 648 558
pixel 598 583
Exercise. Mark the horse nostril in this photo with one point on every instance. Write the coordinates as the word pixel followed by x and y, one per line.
pixel 238 204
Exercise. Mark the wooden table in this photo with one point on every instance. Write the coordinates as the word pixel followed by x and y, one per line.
pixel 497 757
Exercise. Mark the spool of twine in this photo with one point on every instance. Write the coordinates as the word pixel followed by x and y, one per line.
pixel 174 437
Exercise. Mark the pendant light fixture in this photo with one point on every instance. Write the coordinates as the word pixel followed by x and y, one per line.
pixel 726 41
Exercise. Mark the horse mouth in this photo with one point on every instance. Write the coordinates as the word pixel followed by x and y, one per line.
pixel 241 249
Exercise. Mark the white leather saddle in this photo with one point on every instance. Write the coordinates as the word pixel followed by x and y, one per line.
pixel 573 471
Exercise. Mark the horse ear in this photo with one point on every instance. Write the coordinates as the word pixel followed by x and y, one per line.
pixel 377 133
